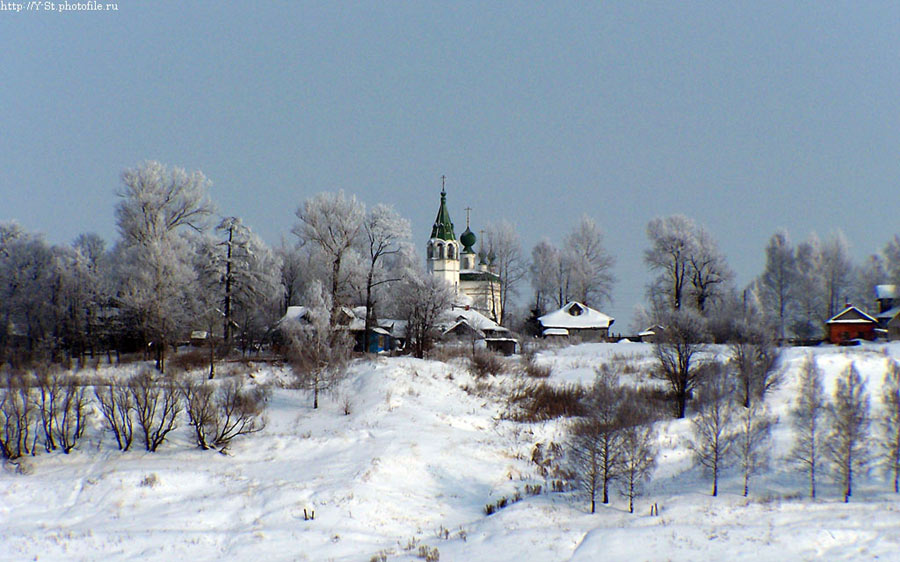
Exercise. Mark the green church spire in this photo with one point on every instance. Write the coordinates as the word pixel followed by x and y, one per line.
pixel 443 226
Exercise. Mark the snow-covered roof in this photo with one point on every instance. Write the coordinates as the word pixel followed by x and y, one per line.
pixel 472 317
pixel 889 313
pixel 886 292
pixel 576 316
pixel 294 314
pixel 851 315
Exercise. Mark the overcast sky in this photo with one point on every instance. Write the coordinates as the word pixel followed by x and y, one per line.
pixel 744 116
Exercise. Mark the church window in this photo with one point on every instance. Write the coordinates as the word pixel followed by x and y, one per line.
pixel 430 250
pixel 451 251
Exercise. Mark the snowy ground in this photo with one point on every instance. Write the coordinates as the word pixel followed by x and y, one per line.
pixel 411 469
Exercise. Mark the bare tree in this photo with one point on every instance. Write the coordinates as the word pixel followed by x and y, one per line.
pixel 713 437
pixel 890 422
pixel 709 272
pixel 586 457
pixel 807 420
pixel 503 243
pixel 421 298
pixel 847 445
pixel 672 243
pixel 753 434
pixel 776 281
pixel 676 353
pixel 332 222
pixel 318 354
pixel 754 357
pixel 638 459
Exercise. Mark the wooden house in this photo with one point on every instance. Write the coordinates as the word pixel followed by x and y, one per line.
pixel 578 321
pixel 851 324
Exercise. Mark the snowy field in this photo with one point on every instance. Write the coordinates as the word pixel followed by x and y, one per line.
pixel 409 471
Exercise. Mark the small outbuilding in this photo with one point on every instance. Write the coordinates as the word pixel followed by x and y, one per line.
pixel 578 321
pixel 851 324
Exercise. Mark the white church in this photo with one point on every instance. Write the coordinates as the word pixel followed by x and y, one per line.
pixel 456 262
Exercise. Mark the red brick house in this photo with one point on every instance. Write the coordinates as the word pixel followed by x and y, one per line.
pixel 851 324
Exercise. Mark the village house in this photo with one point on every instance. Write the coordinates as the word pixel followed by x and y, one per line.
pixel 851 324
pixel 576 321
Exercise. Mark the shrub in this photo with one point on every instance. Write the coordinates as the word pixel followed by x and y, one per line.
pixel 541 401
pixel 219 413
pixel 19 417
pixel 117 407
pixel 156 407
pixel 530 367
pixel 486 363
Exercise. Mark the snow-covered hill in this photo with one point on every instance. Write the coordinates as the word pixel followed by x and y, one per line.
pixel 408 473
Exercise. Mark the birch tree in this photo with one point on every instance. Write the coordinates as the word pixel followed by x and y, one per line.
pixel 777 280
pixel 753 435
pixel 890 423
pixel 638 459
pixel 847 446
pixel 712 439
pixel 807 419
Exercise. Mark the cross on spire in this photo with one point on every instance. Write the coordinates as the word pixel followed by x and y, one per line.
pixel 443 181
pixel 467 210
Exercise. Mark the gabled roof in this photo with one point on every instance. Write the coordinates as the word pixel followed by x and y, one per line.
pixel 471 317
pixel 851 315
pixel 576 316
pixel 889 313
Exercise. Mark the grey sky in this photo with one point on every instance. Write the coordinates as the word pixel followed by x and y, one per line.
pixel 744 116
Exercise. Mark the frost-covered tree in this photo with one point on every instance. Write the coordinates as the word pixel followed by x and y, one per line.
pixel 754 430
pixel 809 314
pixel 420 300
pixel 891 254
pixel 709 272
pixel 777 280
pixel 847 446
pixel 588 265
pixel 866 277
pixel 386 234
pixel 837 272
pixel 545 276
pixel 807 419
pixel 243 274
pixel 671 247
pixel 332 222
pixel 156 203
pixel 677 353
pixel 890 423
pixel 713 438
pixel 503 244
pixel 29 292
